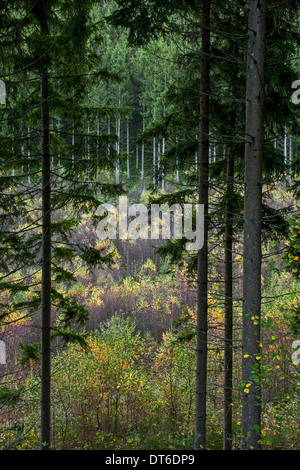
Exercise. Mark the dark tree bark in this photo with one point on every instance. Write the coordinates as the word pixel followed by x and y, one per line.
pixel 45 430
pixel 254 134
pixel 46 273
pixel 228 356
pixel 202 277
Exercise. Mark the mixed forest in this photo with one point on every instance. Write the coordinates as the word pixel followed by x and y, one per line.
pixel 139 343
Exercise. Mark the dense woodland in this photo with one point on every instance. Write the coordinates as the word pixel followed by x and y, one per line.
pixel 141 344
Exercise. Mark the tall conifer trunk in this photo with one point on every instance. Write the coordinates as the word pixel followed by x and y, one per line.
pixel 202 281
pixel 228 357
pixel 45 433
pixel 46 271
pixel 254 133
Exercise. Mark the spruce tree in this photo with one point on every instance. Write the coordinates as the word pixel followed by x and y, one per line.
pixel 57 174
pixel 202 268
pixel 254 136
